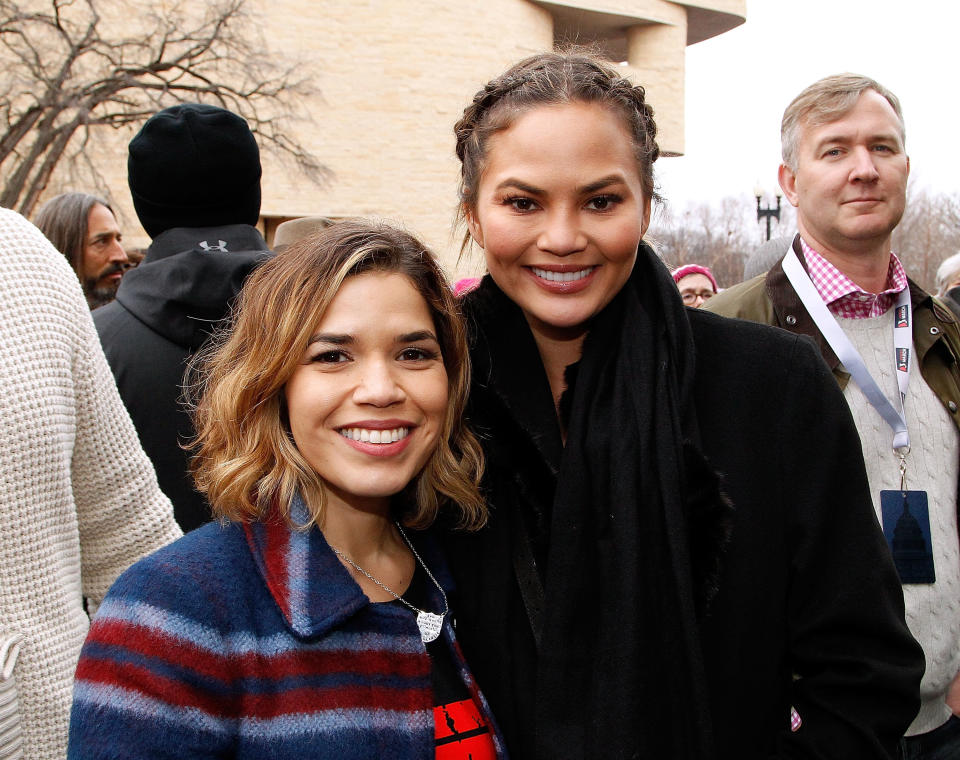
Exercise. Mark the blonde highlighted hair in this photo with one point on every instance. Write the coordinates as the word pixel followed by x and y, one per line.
pixel 246 461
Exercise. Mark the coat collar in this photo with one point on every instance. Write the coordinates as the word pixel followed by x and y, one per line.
pixel 790 313
pixel 182 291
pixel 309 585
pixel 507 368
pixel 789 310
pixel 230 238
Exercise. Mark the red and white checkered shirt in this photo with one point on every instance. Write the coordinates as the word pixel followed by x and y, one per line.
pixel 843 296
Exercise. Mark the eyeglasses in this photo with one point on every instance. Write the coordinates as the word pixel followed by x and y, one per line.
pixel 690 296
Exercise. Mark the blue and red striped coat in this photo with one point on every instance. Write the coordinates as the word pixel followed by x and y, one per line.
pixel 254 642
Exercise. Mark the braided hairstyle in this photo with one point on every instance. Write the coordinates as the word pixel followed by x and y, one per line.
pixel 574 76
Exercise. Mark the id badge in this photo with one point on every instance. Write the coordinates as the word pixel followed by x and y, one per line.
pixel 906 526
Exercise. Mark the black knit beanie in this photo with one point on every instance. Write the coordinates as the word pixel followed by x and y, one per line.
pixel 194 165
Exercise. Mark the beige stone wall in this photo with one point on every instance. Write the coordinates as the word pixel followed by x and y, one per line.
pixel 393 83
pixel 394 76
pixel 654 63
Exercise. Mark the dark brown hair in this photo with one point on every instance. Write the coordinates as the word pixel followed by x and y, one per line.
pixel 64 219
pixel 576 75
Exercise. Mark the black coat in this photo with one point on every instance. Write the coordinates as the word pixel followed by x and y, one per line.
pixel 165 310
pixel 807 587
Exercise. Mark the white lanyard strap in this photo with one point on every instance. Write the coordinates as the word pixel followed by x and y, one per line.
pixel 850 357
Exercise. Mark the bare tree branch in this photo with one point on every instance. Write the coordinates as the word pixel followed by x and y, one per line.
pixel 722 237
pixel 717 237
pixel 928 233
pixel 72 67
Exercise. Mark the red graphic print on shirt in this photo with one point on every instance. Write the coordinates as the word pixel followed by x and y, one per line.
pixel 461 732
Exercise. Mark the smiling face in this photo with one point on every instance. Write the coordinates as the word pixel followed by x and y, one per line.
pixel 559 213
pixel 367 403
pixel 850 180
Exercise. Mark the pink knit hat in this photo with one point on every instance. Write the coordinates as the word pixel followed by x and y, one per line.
pixel 464 286
pixel 686 269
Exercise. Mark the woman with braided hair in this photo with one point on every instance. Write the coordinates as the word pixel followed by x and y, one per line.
pixel 681 559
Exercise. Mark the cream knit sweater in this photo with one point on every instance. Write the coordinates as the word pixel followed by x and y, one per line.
pixel 932 610
pixel 79 500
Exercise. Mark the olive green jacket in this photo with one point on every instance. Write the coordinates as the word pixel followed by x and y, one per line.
pixel 770 299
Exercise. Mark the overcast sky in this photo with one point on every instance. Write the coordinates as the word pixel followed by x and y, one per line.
pixel 738 84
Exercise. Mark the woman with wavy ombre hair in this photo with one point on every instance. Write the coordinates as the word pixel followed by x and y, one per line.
pixel 307 622
pixel 246 459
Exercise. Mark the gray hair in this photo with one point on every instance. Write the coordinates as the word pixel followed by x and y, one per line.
pixel 946 272
pixel 827 100
pixel 763 258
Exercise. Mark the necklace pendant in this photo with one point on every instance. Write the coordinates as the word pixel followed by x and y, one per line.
pixel 430 625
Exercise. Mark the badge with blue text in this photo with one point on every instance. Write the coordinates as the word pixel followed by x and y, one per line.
pixel 906 526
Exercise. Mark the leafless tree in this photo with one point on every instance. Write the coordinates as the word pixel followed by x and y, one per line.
pixel 717 236
pixel 71 67
pixel 928 233
pixel 723 236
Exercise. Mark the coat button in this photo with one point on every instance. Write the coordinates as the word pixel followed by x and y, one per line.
pixel 790 320
pixel 934 330
pixel 952 406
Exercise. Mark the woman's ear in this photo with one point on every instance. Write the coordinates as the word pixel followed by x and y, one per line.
pixel 476 232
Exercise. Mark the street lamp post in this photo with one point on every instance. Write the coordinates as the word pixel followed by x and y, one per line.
pixel 768 212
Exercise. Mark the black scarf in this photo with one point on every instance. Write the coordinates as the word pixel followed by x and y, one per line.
pixel 619 668
pixel 620 671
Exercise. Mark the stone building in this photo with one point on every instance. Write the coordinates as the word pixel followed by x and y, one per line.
pixel 393 76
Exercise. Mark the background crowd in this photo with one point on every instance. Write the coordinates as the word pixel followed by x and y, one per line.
pixel 693 537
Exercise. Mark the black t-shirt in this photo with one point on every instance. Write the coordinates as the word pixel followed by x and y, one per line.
pixel 461 732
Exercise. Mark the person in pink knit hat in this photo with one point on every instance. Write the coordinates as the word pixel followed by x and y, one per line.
pixel 696 284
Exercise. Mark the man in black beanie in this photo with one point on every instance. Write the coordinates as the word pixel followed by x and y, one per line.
pixel 194 174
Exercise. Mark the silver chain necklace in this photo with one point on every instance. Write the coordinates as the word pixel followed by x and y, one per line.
pixel 429 623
